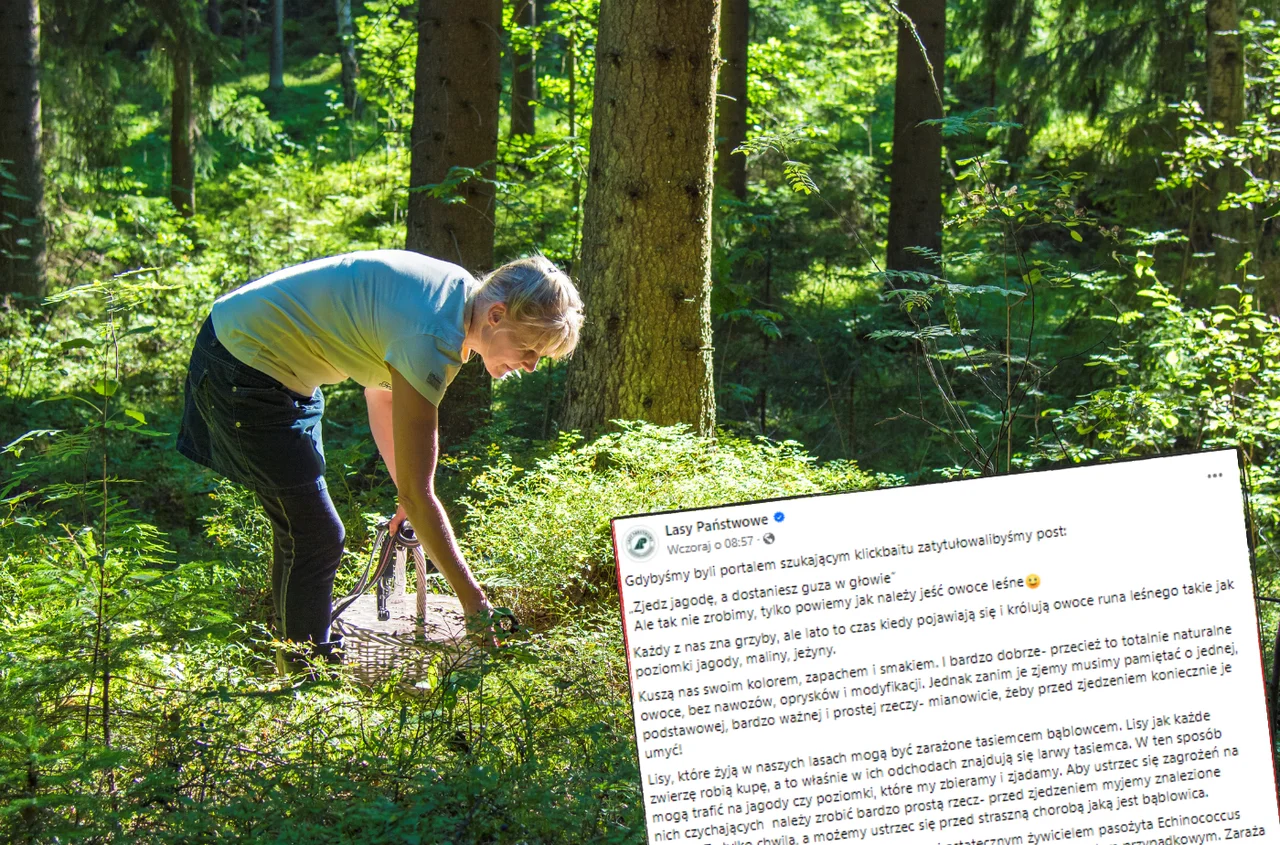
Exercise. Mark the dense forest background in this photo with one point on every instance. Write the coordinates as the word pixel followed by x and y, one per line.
pixel 824 245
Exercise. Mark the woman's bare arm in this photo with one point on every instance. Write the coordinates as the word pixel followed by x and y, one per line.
pixel 379 402
pixel 414 450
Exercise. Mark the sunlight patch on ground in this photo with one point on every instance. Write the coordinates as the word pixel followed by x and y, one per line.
pixel 322 70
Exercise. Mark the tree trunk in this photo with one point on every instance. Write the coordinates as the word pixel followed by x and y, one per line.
pixel 915 174
pixel 731 105
pixel 571 65
pixel 1268 234
pixel 213 16
pixel 457 84
pixel 22 241
pixel 347 54
pixel 277 46
pixel 1269 268
pixel 645 351
pixel 182 126
pixel 524 75
pixel 1231 227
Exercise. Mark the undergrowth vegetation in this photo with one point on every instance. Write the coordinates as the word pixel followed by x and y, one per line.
pixel 545 530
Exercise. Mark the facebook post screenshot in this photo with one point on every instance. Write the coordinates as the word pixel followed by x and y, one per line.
pixel 1063 655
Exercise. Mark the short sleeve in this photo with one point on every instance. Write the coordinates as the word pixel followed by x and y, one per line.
pixel 426 363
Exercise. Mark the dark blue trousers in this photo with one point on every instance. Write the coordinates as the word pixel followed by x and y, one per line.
pixel 248 427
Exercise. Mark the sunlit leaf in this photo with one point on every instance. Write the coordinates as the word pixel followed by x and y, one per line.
pixel 105 387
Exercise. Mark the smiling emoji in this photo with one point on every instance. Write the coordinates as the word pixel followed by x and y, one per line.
pixel 1033 580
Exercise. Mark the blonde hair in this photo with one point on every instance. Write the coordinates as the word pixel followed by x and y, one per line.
pixel 540 299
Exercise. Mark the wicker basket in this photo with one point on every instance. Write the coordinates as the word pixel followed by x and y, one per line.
pixel 422 628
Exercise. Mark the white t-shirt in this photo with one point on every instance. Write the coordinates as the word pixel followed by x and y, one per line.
pixel 350 316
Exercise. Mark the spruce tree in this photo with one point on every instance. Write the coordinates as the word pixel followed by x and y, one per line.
pixel 646 240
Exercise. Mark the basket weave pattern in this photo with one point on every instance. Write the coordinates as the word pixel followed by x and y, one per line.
pixel 422 628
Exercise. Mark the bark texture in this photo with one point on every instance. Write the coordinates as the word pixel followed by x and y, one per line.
pixel 915 189
pixel 731 105
pixel 22 244
pixel 347 54
pixel 276 82
pixel 524 76
pixel 182 130
pixel 1231 228
pixel 457 82
pixel 645 352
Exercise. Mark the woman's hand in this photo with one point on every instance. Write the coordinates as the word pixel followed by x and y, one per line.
pixel 394 525
pixel 482 622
